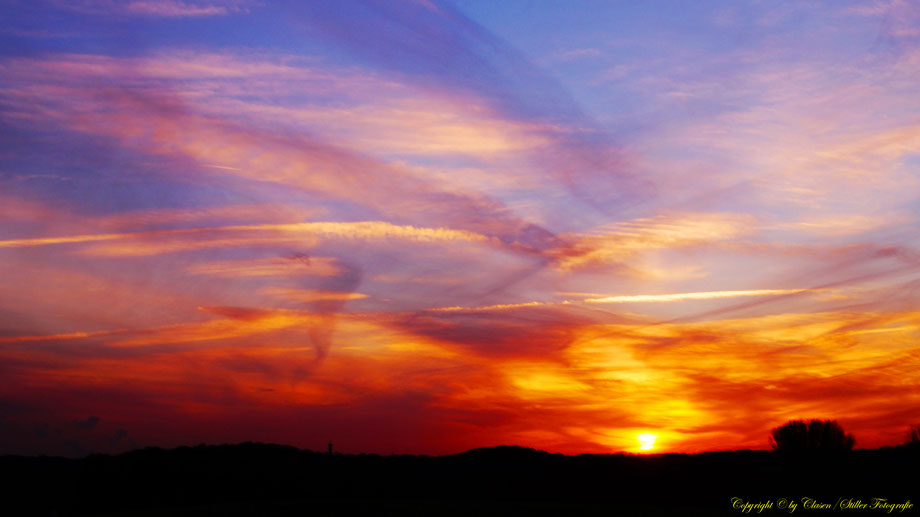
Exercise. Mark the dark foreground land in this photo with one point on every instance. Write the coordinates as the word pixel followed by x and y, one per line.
pixel 260 479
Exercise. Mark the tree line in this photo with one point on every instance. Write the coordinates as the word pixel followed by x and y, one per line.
pixel 800 437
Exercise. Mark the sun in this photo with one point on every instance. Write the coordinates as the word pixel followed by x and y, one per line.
pixel 647 441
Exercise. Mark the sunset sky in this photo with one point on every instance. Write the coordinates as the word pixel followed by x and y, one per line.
pixel 423 227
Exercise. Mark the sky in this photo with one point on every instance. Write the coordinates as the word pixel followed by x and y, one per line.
pixel 423 227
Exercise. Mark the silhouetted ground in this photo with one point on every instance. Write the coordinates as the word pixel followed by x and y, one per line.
pixel 260 479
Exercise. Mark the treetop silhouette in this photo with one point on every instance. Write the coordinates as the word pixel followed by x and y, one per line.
pixel 913 436
pixel 798 437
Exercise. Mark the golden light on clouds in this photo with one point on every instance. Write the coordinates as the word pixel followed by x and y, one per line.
pixel 707 295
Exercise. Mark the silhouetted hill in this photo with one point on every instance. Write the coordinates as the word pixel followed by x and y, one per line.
pixel 506 452
pixel 267 479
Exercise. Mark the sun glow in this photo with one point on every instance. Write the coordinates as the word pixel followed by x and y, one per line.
pixel 647 441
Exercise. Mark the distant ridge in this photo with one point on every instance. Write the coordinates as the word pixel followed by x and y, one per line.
pixel 507 451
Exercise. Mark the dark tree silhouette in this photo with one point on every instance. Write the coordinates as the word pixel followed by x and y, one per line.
pixel 798 437
pixel 913 436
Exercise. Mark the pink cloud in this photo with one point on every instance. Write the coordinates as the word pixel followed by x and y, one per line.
pixel 160 8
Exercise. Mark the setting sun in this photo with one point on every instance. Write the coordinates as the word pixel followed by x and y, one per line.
pixel 647 441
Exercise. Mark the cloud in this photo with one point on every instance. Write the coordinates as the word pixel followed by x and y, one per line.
pixel 679 297
pixel 579 53
pixel 51 337
pixel 439 48
pixel 293 265
pixel 618 243
pixel 636 298
pixel 14 208
pixel 236 323
pixel 373 114
pixel 172 8
pixel 513 330
pixel 848 224
pixel 134 220
pixel 167 241
pixel 899 18
pixel 159 8
pixel 498 307
pixel 312 295
pixel 616 380
pixel 149 115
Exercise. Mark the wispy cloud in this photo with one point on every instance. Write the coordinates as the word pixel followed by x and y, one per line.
pixel 498 307
pixel 620 242
pixel 160 8
pixel 294 265
pixel 312 295
pixel 166 241
pixel 679 297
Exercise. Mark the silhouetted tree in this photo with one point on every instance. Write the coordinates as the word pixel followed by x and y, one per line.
pixel 913 436
pixel 798 437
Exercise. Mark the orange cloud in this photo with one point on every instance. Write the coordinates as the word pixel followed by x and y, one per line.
pixel 311 295
pixel 498 307
pixel 695 385
pixel 166 241
pixel 275 213
pixel 50 337
pixel 619 242
pixel 294 265
pixel 237 324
